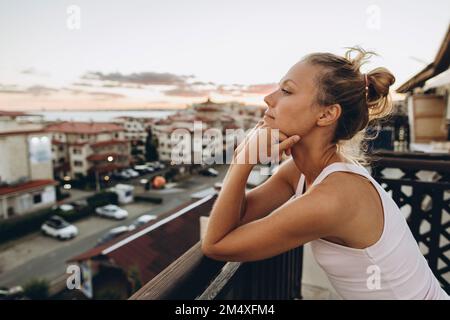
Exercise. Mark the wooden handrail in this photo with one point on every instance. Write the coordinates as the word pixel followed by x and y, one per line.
pixel 180 279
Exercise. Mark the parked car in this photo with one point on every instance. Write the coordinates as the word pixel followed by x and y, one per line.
pixel 66 207
pixel 156 165
pixel 209 172
pixel 112 211
pixel 143 169
pixel 121 175
pixel 79 204
pixel 113 233
pixel 132 173
pixel 146 218
pixel 12 293
pixel 59 228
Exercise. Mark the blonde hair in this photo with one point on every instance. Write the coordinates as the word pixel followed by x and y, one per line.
pixel 340 81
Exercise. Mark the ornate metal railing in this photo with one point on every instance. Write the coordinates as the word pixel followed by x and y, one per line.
pixel 426 199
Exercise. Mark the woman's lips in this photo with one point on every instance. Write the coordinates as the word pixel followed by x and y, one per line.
pixel 268 116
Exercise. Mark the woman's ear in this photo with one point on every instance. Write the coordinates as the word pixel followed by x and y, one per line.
pixel 329 114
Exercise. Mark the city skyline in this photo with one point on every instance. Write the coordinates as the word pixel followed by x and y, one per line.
pixel 116 55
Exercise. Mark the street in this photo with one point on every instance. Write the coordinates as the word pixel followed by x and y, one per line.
pixel 37 256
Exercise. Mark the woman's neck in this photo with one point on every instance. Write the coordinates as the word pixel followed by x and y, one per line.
pixel 311 158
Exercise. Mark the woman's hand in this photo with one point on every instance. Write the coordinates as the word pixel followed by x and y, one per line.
pixel 262 143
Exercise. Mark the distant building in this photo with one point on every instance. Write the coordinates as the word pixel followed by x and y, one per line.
pixel 221 116
pixel 81 149
pixel 26 169
pixel 428 102
pixel 136 131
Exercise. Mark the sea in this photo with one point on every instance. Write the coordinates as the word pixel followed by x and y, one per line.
pixel 102 116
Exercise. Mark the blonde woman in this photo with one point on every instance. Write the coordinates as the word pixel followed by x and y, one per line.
pixel 322 195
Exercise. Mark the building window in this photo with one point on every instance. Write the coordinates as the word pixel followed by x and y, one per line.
pixel 37 198
pixel 116 135
pixel 76 151
pixel 78 163
pixel 61 148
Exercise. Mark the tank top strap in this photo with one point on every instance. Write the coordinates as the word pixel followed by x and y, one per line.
pixel 300 185
pixel 342 166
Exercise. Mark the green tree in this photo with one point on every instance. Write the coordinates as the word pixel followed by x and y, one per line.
pixel 151 147
pixel 37 289
pixel 135 278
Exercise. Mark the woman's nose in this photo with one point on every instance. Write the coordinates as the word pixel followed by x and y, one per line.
pixel 268 100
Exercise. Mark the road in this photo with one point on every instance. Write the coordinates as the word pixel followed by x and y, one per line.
pixel 36 256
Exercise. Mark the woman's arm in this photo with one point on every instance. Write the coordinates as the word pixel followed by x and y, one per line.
pixel 316 214
pixel 265 198
pixel 226 212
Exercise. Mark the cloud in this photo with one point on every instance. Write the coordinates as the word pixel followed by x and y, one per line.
pixel 82 84
pixel 260 88
pixel 142 78
pixel 106 95
pixel 187 91
pixel 10 89
pixel 32 71
pixel 40 90
pixel 35 90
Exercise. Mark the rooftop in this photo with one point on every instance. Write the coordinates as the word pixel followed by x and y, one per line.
pixel 26 187
pixel 143 248
pixel 83 127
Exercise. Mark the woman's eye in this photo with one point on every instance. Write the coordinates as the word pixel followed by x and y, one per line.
pixel 285 92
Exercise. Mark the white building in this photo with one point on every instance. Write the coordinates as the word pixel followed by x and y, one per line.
pixel 135 132
pixel 81 149
pixel 220 116
pixel 26 170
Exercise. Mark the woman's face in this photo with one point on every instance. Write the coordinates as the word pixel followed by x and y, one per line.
pixel 291 107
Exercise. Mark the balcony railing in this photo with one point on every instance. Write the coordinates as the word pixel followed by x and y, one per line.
pixel 428 201
pixel 194 276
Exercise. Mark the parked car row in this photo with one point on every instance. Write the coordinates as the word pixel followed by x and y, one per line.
pixel 59 228
pixel 118 231
pixel 139 170
pixel 209 172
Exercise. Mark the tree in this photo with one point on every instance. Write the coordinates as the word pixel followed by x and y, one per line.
pixel 151 146
pixel 135 278
pixel 37 289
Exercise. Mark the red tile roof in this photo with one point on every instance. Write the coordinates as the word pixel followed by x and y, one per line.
pixel 154 246
pixel 106 168
pixel 84 127
pixel 27 186
pixel 108 142
pixel 104 156
pixel 20 132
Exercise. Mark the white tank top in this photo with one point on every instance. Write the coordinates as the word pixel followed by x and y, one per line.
pixel 392 268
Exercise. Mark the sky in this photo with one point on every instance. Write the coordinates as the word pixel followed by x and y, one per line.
pixel 97 54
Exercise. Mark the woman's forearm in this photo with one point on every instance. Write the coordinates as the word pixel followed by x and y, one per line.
pixel 227 210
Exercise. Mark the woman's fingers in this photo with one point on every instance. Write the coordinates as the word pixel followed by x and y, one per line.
pixel 288 143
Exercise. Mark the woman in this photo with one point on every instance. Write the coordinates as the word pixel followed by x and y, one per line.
pixel 320 195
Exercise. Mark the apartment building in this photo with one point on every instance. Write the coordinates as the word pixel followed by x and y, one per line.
pixel 82 149
pixel 135 131
pixel 26 169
